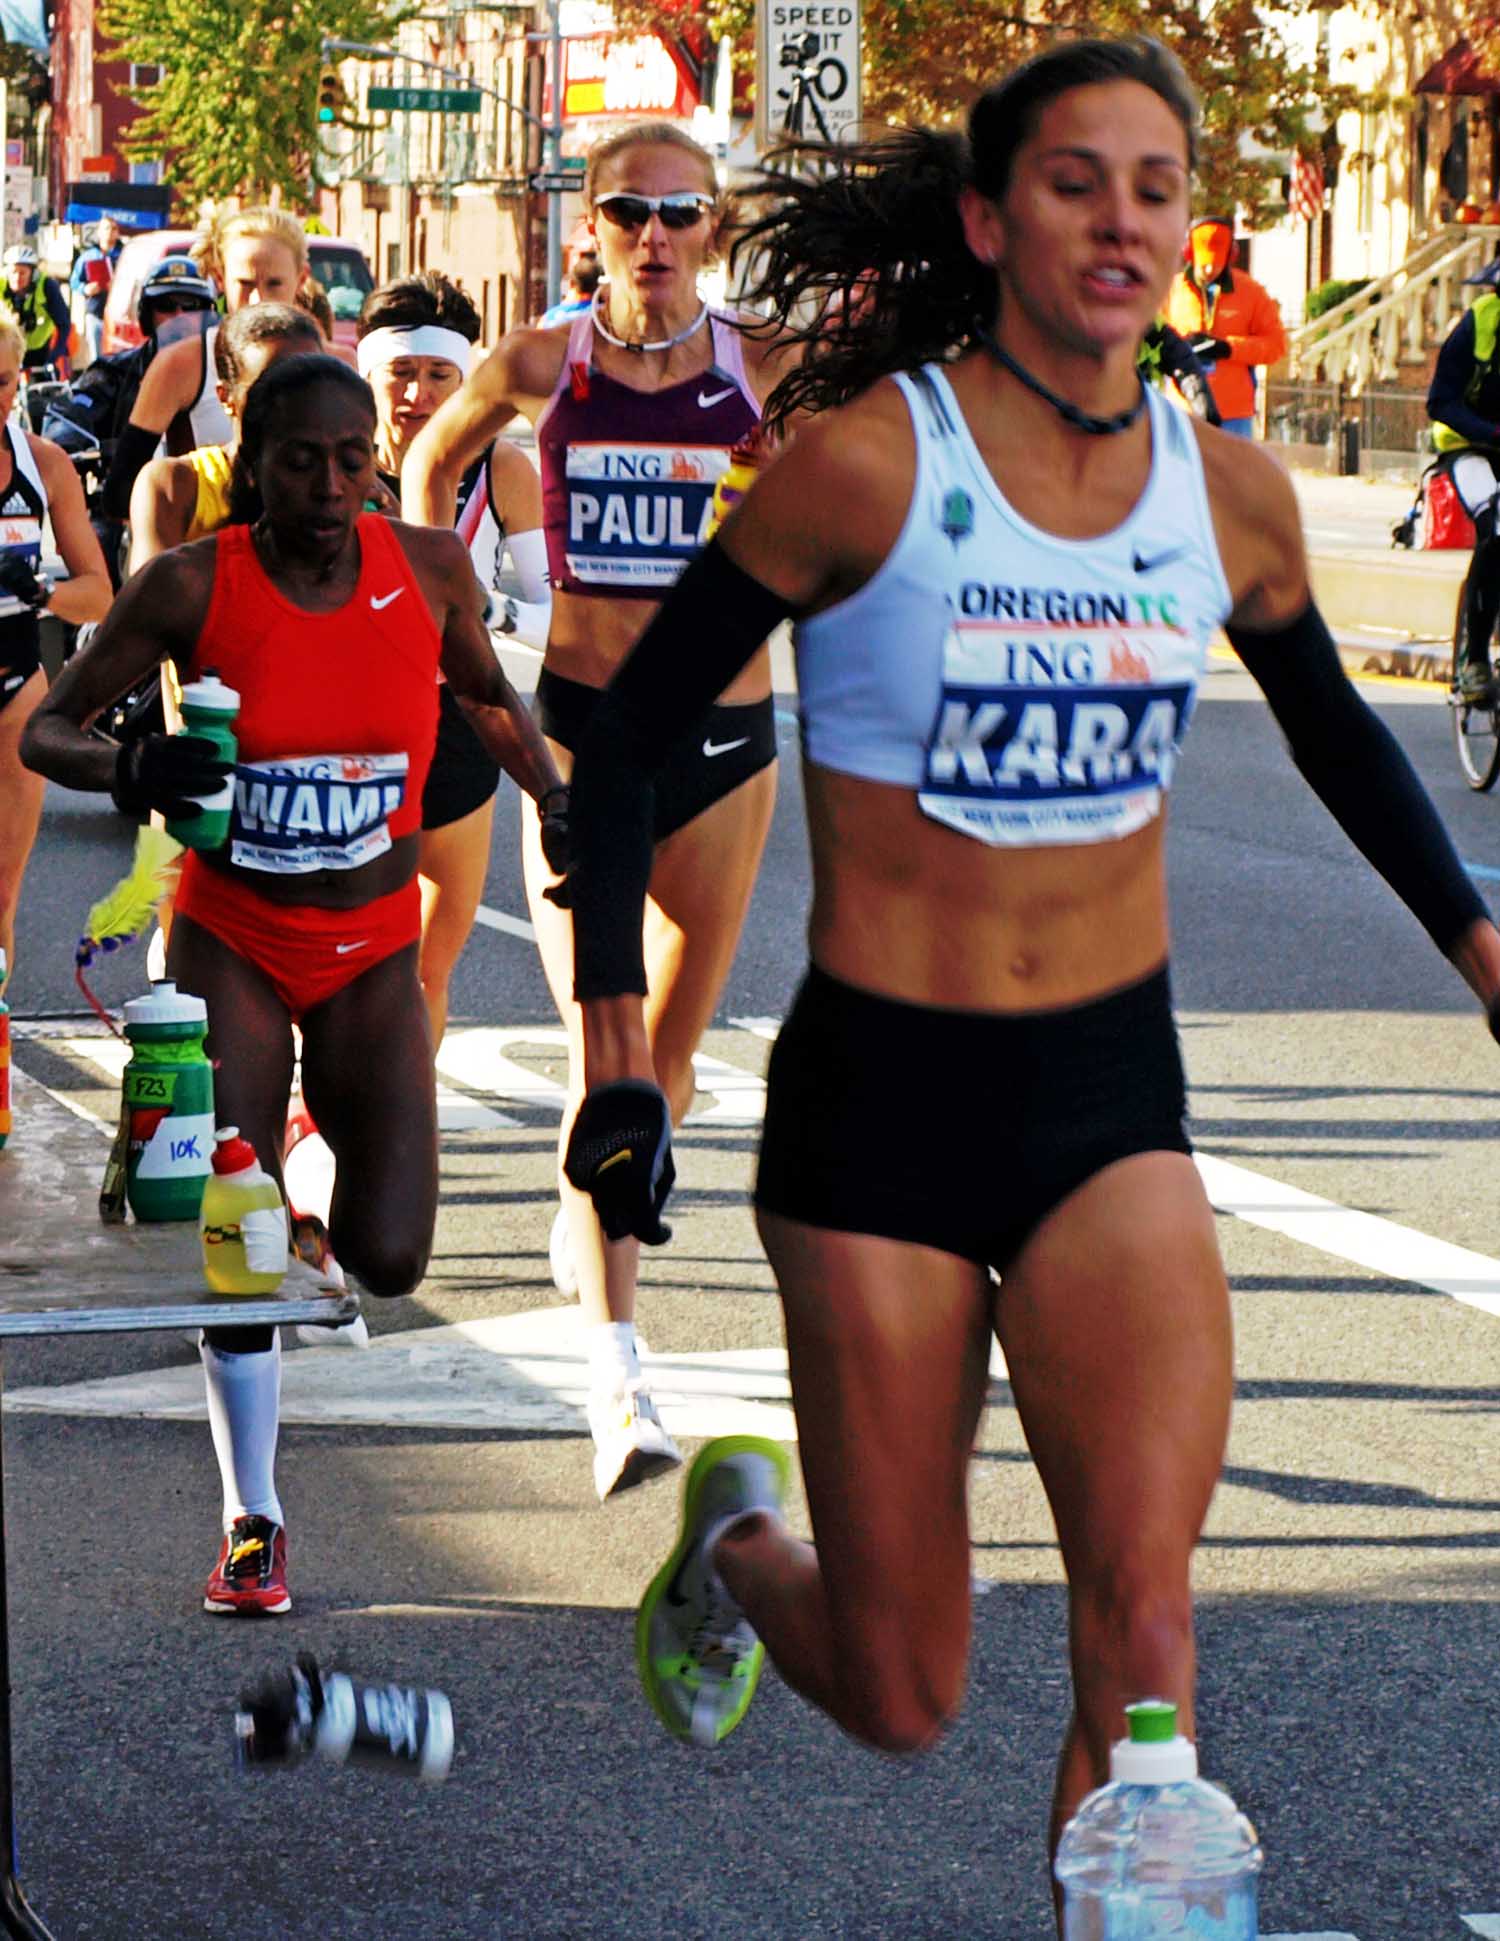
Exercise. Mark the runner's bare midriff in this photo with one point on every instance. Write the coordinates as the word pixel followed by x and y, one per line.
pixel 328 889
pixel 911 910
pixel 592 637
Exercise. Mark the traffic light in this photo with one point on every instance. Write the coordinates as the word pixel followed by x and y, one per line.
pixel 330 94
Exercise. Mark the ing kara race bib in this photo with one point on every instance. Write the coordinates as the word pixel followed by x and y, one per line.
pixel 310 812
pixel 638 513
pixel 1058 734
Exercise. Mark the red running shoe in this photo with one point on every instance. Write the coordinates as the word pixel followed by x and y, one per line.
pixel 249 1580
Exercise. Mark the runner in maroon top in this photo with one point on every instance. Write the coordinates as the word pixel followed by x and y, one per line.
pixel 637 405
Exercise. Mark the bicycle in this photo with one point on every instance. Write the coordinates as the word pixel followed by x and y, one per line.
pixel 1476 724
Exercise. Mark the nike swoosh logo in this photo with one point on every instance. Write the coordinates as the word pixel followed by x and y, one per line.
pixel 385 599
pixel 712 748
pixel 343 950
pixel 1144 565
pixel 716 397
pixel 625 1153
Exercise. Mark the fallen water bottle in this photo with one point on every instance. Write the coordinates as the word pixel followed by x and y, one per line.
pixel 302 1712
pixel 1158 1852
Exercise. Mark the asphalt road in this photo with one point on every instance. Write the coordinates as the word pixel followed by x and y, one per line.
pixel 1348 1581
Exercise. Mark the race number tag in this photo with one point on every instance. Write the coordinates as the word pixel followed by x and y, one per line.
pixel 638 513
pixel 315 811
pixel 1054 735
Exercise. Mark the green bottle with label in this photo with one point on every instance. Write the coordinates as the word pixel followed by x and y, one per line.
pixel 209 708
pixel 169 1103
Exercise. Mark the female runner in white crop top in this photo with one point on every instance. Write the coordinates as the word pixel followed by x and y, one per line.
pixel 1006 623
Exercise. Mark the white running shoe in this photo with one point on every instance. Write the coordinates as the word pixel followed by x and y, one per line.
pixel 560 1256
pixel 313 1270
pixel 630 1444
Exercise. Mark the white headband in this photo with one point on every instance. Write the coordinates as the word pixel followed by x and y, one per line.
pixel 384 346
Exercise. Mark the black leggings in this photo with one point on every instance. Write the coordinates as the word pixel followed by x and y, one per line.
pixel 961 1130
pixel 724 749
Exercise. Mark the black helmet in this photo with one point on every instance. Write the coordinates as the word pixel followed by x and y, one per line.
pixel 178 280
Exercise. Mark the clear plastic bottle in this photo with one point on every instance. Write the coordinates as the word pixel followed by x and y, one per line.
pixel 242 1221
pixel 346 1721
pixel 1158 1853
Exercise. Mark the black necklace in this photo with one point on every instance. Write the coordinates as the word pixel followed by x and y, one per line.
pixel 1084 420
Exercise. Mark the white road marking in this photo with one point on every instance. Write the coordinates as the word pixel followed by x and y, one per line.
pixel 498 920
pixel 479 1060
pixel 1399 1252
pixel 1485 875
pixel 517 1371
pixel 1485 1924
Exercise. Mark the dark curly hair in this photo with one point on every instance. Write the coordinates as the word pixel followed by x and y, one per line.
pixel 287 378
pixel 865 264
pixel 410 301
pixel 259 323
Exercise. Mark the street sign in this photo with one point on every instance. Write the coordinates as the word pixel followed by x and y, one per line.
pixel 428 101
pixel 807 71
pixel 563 181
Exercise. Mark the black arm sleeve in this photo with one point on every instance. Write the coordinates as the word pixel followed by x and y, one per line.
pixel 137 447
pixel 710 627
pixel 1360 773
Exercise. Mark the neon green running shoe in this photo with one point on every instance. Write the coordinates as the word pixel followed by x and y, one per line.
pixel 699 1660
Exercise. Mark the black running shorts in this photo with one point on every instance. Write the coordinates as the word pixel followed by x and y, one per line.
pixel 725 748
pixel 463 775
pixel 961 1130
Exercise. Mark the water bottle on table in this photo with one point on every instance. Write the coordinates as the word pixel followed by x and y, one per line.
pixel 209 709
pixel 168 1098
pixel 1158 1852
pixel 242 1222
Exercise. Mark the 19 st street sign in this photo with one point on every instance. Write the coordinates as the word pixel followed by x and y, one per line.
pixel 807 70
pixel 428 101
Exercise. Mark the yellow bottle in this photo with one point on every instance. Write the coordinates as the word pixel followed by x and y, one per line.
pixel 243 1221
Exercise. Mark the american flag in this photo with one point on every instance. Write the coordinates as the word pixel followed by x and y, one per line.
pixel 1305 196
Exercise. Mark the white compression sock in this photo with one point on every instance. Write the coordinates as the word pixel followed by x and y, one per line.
pixel 244 1404
pixel 613 1361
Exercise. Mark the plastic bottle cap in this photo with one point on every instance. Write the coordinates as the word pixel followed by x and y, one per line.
pixel 209 692
pixel 166 1005
pixel 232 1154
pixel 1155 1754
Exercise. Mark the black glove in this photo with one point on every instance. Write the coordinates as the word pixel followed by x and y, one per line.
pixel 620 1154
pixel 164 772
pixel 1208 350
pixel 552 806
pixel 19 579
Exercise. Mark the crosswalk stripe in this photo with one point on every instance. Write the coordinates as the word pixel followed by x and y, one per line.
pixel 479 1062
pixel 1485 1924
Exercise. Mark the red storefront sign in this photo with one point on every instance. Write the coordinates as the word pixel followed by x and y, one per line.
pixel 604 74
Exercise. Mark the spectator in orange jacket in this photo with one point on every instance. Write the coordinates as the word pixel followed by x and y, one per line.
pixel 1231 321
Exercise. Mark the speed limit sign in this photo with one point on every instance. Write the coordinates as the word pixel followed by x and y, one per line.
pixel 807 80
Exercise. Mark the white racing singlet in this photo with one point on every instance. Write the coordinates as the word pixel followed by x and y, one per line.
pixel 1031 689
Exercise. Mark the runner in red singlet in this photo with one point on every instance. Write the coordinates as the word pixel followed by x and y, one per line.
pixel 310 912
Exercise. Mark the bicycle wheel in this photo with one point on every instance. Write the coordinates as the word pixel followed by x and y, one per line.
pixel 1476 729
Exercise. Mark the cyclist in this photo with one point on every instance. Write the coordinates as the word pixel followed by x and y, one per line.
pixel 40 309
pixel 1463 402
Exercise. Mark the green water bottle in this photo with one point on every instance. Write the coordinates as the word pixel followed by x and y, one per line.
pixel 209 708
pixel 169 1100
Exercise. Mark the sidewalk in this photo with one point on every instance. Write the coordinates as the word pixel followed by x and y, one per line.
pixel 1391 609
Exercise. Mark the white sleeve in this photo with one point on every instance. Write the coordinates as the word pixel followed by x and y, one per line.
pixel 528 554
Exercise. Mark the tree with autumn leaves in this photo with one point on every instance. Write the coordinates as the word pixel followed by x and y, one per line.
pixel 925 60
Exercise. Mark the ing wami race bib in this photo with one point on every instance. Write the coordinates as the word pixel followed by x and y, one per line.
pixel 1063 735
pixel 314 811
pixel 638 513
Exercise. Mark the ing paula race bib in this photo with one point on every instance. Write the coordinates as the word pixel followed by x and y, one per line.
pixel 1065 735
pixel 311 812
pixel 638 513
